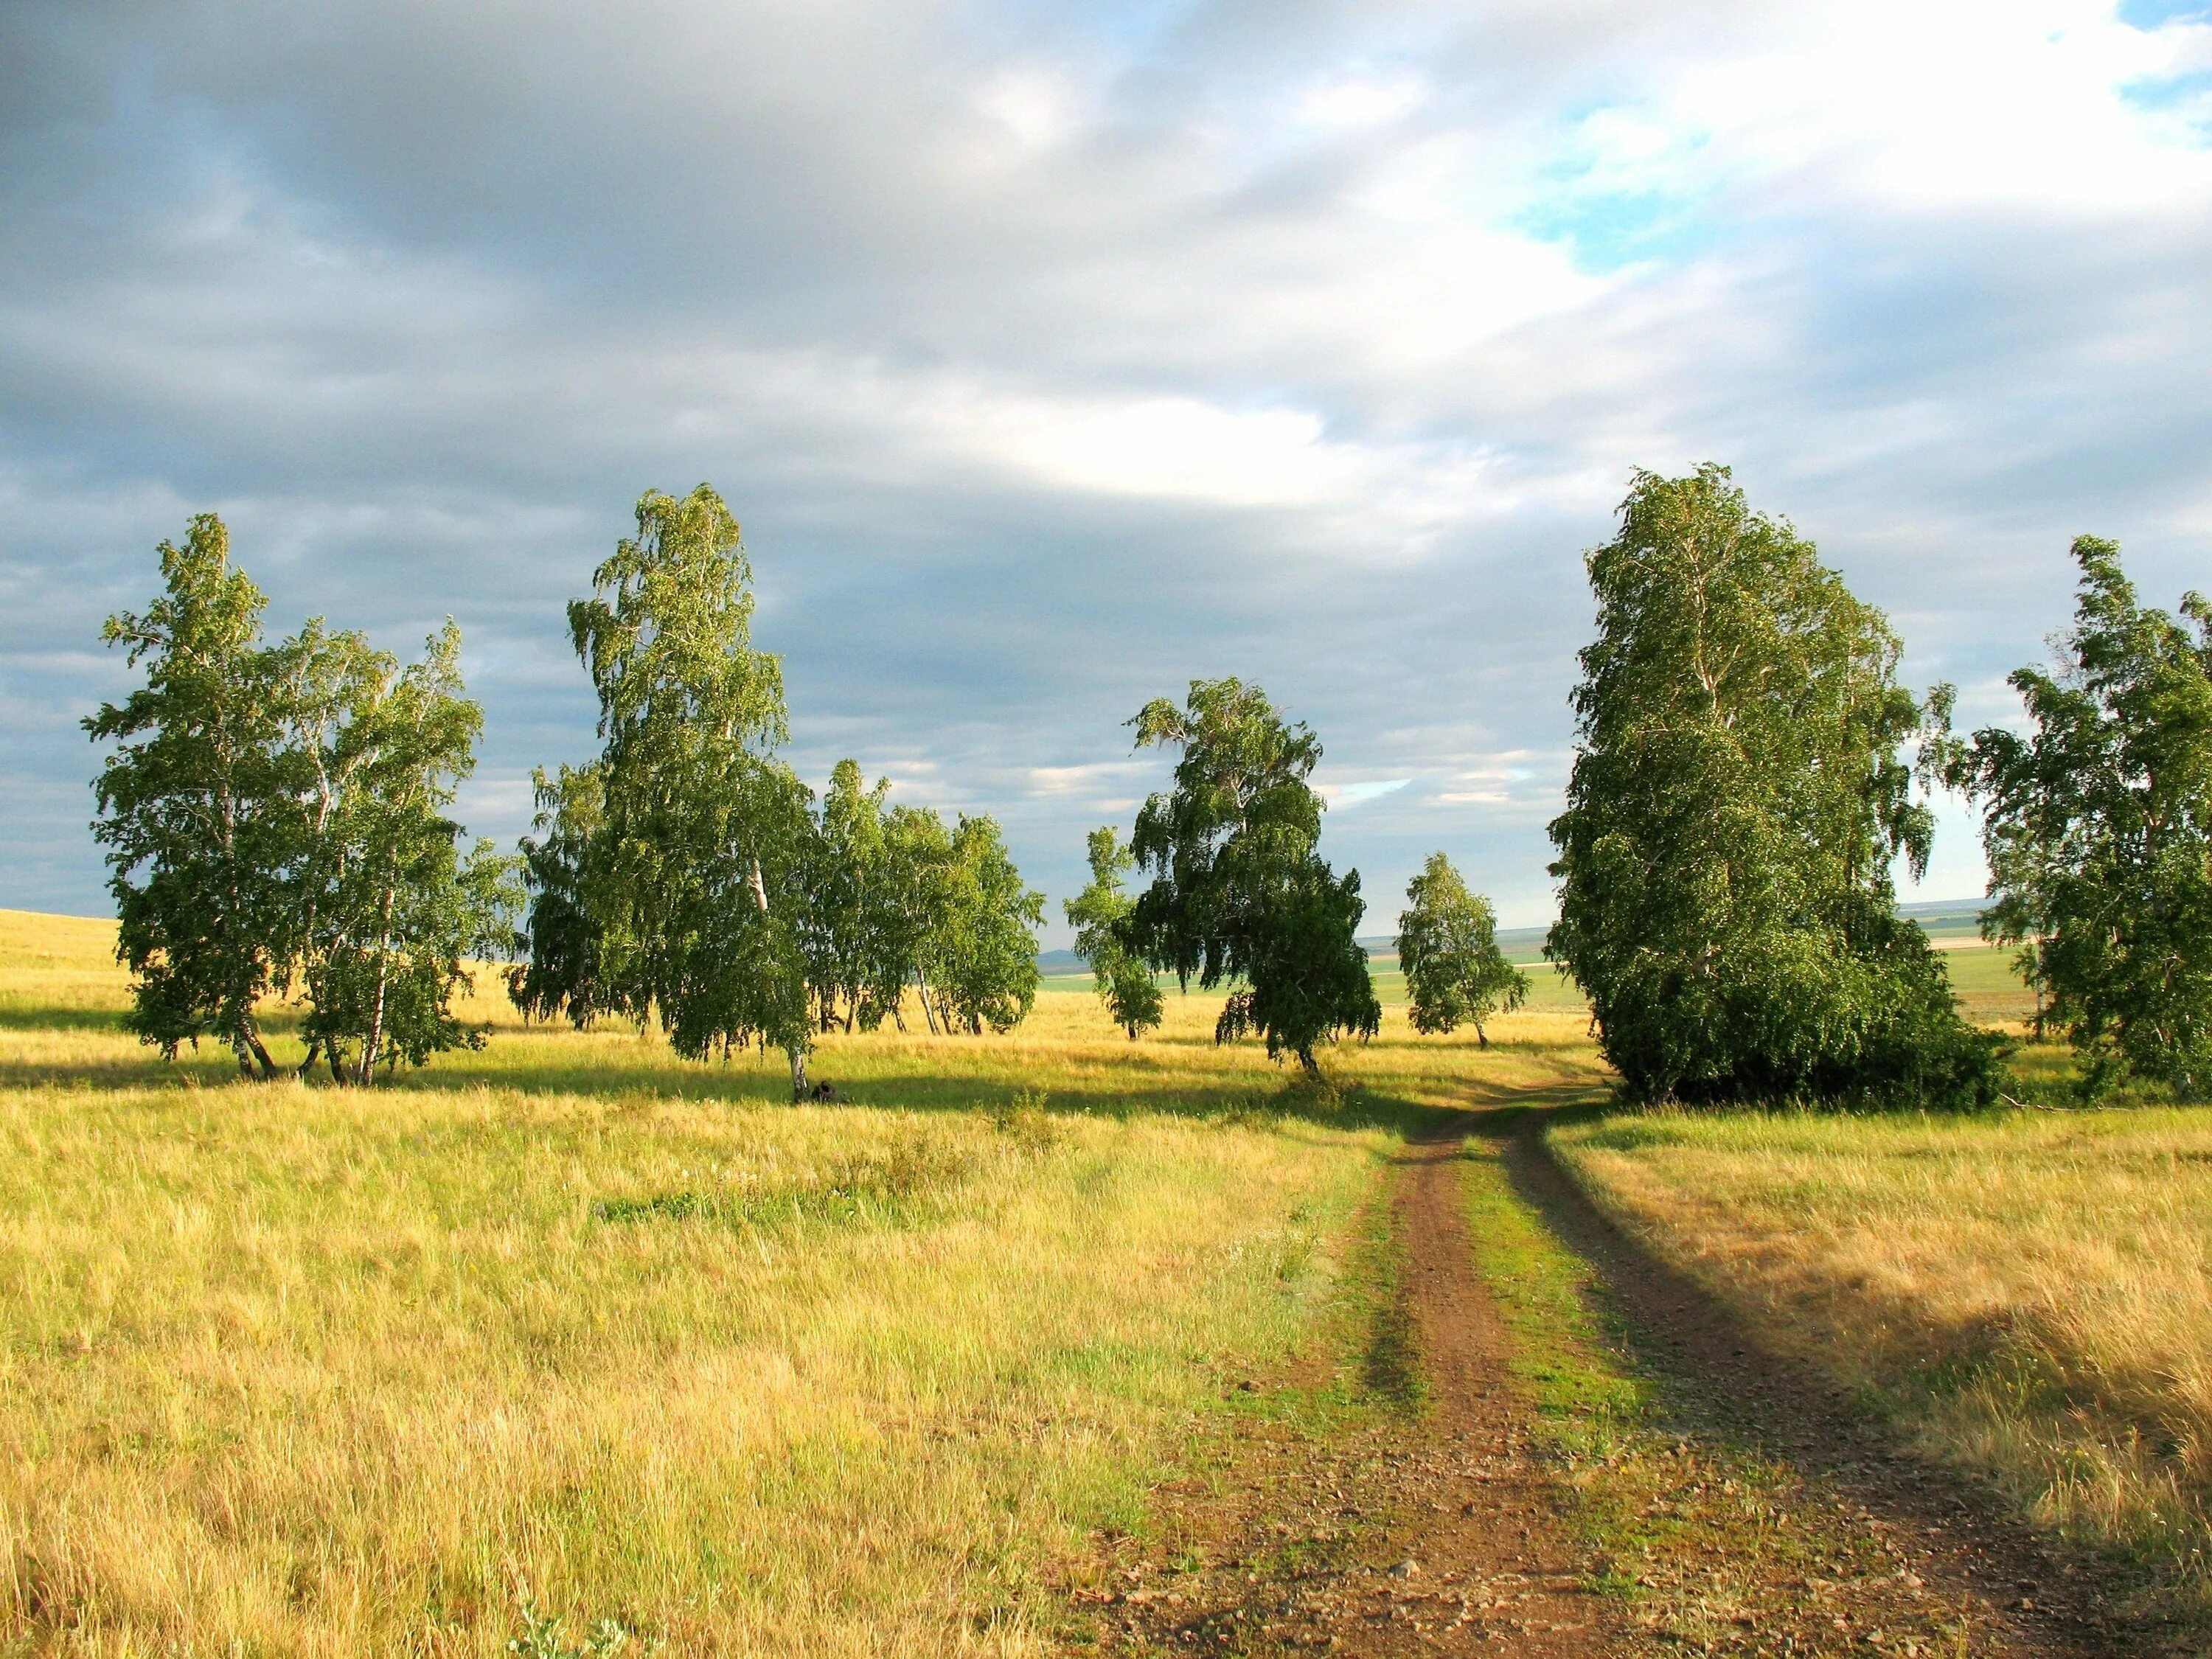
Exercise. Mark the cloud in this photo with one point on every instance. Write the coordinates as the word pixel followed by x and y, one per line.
pixel 1053 358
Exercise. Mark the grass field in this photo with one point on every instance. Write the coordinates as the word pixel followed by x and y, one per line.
pixel 293 1370
pixel 2024 1293
pixel 570 1323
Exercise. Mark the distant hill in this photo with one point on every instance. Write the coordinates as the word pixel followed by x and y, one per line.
pixel 1940 918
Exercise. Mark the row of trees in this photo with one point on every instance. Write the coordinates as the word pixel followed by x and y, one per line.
pixel 275 821
pixel 688 876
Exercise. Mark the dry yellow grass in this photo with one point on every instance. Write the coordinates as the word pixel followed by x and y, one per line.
pixel 2028 1292
pixel 297 1370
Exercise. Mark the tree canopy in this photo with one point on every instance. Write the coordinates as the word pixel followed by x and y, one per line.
pixel 1238 891
pixel 1098 914
pixel 688 876
pixel 1736 801
pixel 2098 825
pixel 1454 973
pixel 276 819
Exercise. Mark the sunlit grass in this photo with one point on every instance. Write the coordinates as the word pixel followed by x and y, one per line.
pixel 2026 1292
pixel 291 1369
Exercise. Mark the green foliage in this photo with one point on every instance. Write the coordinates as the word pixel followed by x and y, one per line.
pixel 981 956
pixel 276 817
pixel 542 1638
pixel 390 913
pixel 2098 826
pixel 1735 805
pixel 1455 975
pixel 563 972
pixel 1238 891
pixel 200 830
pixel 692 856
pixel 686 875
pixel 848 890
pixel 1097 914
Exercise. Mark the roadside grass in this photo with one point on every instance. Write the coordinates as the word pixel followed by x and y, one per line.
pixel 1712 1545
pixel 568 1328
pixel 2024 1293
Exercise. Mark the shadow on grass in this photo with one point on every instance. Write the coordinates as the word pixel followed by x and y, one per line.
pixel 942 1079
pixel 1706 1380
pixel 40 1017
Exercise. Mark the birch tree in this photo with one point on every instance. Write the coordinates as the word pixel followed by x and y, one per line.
pixel 200 827
pixel 1099 914
pixel 982 951
pixel 1238 891
pixel 1736 802
pixel 2098 825
pixel 392 913
pixel 276 820
pixel 701 846
pixel 1454 973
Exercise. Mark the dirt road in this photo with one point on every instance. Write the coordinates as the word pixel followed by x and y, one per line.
pixel 1455 1526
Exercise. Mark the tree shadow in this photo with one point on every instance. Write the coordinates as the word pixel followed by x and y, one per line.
pixel 943 1076
pixel 1716 1381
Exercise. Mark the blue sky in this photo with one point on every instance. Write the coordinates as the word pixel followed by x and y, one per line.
pixel 1053 355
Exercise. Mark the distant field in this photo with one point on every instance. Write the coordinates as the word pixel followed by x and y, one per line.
pixel 1987 988
pixel 287 1369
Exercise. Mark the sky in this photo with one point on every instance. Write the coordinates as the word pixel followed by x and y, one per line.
pixel 1053 355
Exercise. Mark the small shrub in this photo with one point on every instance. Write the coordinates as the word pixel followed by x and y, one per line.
pixel 541 1638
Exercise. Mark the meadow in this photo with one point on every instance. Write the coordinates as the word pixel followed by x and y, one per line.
pixel 2023 1294
pixel 570 1327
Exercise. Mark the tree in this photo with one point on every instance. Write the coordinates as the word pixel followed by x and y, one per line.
pixel 693 866
pixel 845 899
pixel 2098 824
pixel 1448 946
pixel 982 954
pixel 200 829
pixel 390 912
pixel 276 817
pixel 564 971
pixel 1126 984
pixel 1735 805
pixel 1238 892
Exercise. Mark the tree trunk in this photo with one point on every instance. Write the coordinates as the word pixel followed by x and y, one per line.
pixel 1481 1039
pixel 922 987
pixel 1309 1065
pixel 260 1053
pixel 383 977
pixel 797 1053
